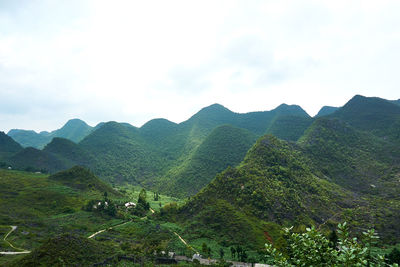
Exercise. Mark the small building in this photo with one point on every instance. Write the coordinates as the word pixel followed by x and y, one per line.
pixel 130 205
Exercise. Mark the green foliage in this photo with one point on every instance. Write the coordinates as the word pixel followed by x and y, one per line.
pixel 82 179
pixel 312 249
pixel 289 127
pixel 8 146
pixel 69 151
pixel 122 154
pixel 393 256
pixel 43 207
pixel 351 158
pixel 33 159
pixel 67 250
pixel 224 146
pixel 373 114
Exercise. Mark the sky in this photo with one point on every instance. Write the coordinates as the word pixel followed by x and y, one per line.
pixel 132 61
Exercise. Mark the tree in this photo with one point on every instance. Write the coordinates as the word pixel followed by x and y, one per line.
pixel 313 249
pixel 204 249
pixel 221 253
pixel 233 252
pixel 394 256
pixel 142 200
pixel 333 239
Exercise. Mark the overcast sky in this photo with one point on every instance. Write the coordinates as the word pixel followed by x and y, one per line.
pixel 133 61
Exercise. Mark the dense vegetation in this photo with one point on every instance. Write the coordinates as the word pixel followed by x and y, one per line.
pixel 8 146
pixel 67 250
pixel 272 184
pixel 375 115
pixel 326 110
pixel 161 154
pixel 297 125
pixel 223 147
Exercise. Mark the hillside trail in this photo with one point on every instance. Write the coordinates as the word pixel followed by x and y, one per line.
pixel 23 251
pixel 109 228
pixel 184 242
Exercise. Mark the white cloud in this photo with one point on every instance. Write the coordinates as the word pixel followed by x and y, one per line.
pixel 136 60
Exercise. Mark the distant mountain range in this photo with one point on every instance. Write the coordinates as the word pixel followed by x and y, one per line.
pixel 246 174
pixel 74 130
pixel 180 159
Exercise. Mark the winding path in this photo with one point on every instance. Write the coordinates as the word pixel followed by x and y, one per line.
pixel 184 242
pixel 23 251
pixel 109 228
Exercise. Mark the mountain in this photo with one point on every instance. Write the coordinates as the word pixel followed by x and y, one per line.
pixel 29 138
pixel 70 151
pixel 170 157
pixel 257 122
pixel 397 102
pixel 161 148
pixel 121 154
pixel 375 115
pixel 74 130
pixel 275 184
pixel 82 179
pixel 354 159
pixel 326 110
pixel 37 160
pixel 224 146
pixel 289 127
pixel 8 146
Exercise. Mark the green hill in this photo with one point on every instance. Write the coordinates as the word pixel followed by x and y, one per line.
pixel 272 184
pixel 67 250
pixel 74 130
pixel 326 110
pixel 37 160
pixel 351 158
pixel 70 151
pixel 224 146
pixel 82 179
pixel 8 146
pixel 29 138
pixel 373 114
pixel 257 122
pixel 45 206
pixel 121 154
pixel 289 127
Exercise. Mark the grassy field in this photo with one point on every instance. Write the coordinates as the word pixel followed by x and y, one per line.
pixel 132 192
pixel 42 207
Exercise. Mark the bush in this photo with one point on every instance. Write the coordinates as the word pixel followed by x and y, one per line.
pixel 313 249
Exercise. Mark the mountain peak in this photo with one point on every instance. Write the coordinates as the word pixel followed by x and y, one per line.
pixel 291 110
pixel 326 110
pixel 75 122
pixel 213 112
pixel 215 108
